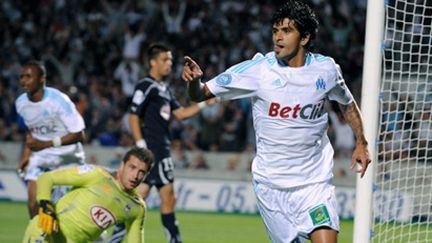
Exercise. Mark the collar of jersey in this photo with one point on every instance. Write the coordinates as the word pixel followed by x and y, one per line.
pixel 308 60
pixel 45 95
pixel 161 82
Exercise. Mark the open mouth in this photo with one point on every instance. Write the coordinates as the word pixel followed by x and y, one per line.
pixel 278 47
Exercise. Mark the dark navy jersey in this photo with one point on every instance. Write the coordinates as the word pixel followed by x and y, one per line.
pixel 153 103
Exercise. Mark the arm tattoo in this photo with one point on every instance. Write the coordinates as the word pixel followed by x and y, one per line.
pixel 353 116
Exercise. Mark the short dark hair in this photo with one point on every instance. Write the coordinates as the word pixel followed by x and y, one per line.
pixel 303 16
pixel 142 154
pixel 154 50
pixel 40 67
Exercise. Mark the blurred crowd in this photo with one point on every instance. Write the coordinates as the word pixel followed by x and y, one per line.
pixel 95 50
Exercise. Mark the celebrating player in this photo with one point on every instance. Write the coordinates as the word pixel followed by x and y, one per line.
pixel 56 129
pixel 97 201
pixel 292 170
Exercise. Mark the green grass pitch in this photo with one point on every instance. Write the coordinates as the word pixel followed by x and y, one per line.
pixel 196 227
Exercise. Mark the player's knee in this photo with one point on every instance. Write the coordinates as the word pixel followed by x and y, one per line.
pixel 143 190
pixel 323 233
pixel 170 200
pixel 168 204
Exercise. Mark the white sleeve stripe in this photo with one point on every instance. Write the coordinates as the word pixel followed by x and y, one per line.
pixel 139 97
pixel 148 91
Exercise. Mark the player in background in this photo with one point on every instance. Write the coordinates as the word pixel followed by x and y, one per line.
pixel 97 201
pixel 292 170
pixel 55 129
pixel 80 99
pixel 150 113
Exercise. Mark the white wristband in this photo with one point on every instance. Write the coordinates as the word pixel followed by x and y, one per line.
pixel 202 105
pixel 57 142
pixel 141 143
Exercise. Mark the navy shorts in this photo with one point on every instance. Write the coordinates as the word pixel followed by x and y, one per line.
pixel 161 174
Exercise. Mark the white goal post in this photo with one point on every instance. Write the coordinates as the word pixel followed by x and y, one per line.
pixel 369 108
pixel 394 199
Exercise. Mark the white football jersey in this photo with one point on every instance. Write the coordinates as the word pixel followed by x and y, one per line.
pixel 54 116
pixel 288 114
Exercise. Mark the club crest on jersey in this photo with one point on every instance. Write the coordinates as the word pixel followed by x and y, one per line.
pixel 102 217
pixel 277 83
pixel 45 113
pixel 224 79
pixel 320 84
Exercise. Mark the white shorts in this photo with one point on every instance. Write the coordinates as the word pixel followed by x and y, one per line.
pixel 40 164
pixel 291 214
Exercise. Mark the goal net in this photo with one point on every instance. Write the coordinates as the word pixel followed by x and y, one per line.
pixel 402 187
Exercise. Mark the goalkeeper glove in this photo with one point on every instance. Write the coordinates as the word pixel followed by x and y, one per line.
pixel 47 217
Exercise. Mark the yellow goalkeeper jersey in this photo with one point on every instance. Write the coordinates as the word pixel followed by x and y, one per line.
pixel 95 203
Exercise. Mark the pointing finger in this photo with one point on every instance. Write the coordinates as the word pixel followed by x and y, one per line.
pixel 189 61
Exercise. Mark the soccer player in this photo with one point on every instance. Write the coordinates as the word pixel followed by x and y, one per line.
pixel 97 201
pixel 152 105
pixel 56 129
pixel 292 170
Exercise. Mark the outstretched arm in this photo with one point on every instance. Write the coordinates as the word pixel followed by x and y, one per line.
pixel 78 176
pixel 360 155
pixel 189 111
pixel 192 74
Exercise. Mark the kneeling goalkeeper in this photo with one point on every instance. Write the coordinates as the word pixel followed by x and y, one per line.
pixel 97 201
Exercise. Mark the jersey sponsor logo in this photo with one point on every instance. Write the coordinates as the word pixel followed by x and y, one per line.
pixel 44 129
pixel 320 84
pixel 307 112
pixel 224 79
pixel 102 217
pixel 165 112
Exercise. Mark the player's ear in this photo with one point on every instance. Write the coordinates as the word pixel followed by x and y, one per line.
pixel 305 39
pixel 152 63
pixel 121 166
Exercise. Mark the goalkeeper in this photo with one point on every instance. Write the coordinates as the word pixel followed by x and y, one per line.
pixel 97 201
